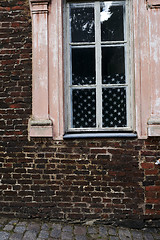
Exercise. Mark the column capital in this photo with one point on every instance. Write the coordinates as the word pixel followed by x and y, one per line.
pixel 153 3
pixel 39 6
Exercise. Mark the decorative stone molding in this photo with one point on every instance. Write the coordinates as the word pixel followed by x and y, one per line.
pixel 154 126
pixel 141 67
pixel 56 68
pixel 40 128
pixel 153 3
pixel 154 39
pixel 40 123
pixel 39 6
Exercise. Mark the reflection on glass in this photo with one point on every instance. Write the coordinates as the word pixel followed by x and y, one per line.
pixel 83 66
pixel 114 107
pixel 112 28
pixel 82 23
pixel 113 65
pixel 84 108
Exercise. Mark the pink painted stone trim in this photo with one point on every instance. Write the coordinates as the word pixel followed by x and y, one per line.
pixel 56 68
pixel 47 99
pixel 154 20
pixel 40 98
pixel 141 66
pixel 48 68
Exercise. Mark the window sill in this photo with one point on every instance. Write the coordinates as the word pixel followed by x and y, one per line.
pixel 99 135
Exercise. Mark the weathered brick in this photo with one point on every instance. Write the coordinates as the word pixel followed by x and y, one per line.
pixel 71 179
pixel 147 165
pixel 152 172
pixel 153 188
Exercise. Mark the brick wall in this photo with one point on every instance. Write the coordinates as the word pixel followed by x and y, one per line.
pixel 112 180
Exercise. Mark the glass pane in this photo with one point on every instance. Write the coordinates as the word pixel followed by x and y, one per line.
pixel 112 28
pixel 82 22
pixel 113 65
pixel 114 107
pixel 83 66
pixel 84 108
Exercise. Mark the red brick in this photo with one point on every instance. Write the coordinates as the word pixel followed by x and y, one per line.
pixel 147 165
pixel 71 179
pixel 153 201
pixel 150 211
pixel 98 150
pixel 151 172
pixel 153 188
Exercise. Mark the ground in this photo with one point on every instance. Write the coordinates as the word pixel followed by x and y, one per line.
pixel 18 229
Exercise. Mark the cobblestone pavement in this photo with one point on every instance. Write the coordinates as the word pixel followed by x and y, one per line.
pixel 15 229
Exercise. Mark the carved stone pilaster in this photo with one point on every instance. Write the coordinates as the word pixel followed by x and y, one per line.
pixel 40 123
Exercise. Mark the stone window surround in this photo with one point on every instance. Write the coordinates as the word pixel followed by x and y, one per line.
pixel 48 75
pixel 47 68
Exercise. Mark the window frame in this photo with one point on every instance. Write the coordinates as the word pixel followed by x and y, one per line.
pixel 127 43
pixel 48 17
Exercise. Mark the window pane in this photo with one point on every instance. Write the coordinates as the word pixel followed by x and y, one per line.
pixel 83 66
pixel 82 23
pixel 84 108
pixel 114 107
pixel 113 65
pixel 111 22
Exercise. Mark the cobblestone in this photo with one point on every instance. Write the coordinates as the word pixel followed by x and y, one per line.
pixel 8 227
pixel 112 231
pixel 137 235
pixel 124 234
pixel 16 229
pixel 16 236
pixel 4 235
pixel 103 231
pixel 19 229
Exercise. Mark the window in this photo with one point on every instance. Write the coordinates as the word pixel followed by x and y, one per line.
pixel 98 88
pixel 129 53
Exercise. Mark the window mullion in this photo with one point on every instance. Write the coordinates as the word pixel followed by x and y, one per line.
pixel 98 66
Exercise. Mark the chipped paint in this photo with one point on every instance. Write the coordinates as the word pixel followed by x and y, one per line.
pixel 48 76
pixel 154 34
pixel 153 4
pixel 40 114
